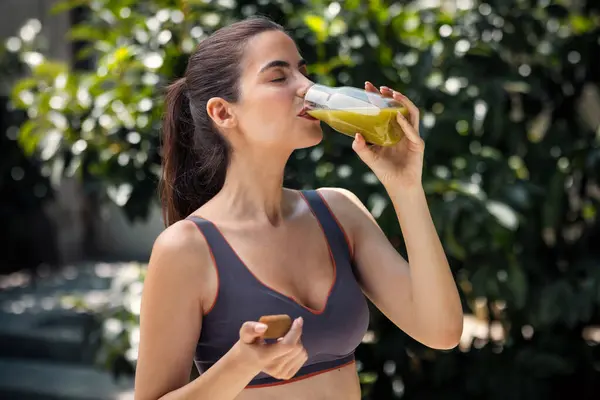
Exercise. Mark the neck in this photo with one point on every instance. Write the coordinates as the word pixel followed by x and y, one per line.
pixel 253 188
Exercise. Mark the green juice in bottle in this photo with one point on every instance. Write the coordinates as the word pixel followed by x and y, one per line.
pixel 351 110
pixel 379 128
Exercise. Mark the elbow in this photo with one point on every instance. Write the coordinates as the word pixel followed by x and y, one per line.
pixel 446 337
pixel 445 342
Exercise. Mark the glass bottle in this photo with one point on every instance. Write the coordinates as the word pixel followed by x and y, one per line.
pixel 350 110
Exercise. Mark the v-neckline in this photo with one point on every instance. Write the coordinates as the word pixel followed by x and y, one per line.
pixel 280 294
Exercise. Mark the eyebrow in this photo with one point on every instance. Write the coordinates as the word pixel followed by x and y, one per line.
pixel 281 63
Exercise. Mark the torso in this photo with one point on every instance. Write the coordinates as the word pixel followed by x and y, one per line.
pixel 340 384
pixel 306 255
pixel 305 287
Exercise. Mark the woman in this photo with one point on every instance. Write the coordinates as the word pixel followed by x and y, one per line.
pixel 239 246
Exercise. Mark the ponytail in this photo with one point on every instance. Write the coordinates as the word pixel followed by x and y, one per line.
pixel 195 156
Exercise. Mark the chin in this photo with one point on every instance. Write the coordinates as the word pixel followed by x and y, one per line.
pixel 310 138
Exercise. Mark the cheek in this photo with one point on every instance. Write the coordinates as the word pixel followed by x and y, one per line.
pixel 278 99
pixel 266 114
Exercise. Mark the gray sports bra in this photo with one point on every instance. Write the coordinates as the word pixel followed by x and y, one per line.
pixel 330 336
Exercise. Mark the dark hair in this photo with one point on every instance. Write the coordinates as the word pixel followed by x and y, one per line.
pixel 195 155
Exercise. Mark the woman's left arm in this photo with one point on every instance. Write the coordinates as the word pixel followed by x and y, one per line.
pixel 421 298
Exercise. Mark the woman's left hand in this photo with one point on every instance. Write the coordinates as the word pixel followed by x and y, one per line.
pixel 400 164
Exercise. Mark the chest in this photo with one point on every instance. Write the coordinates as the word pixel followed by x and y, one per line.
pixel 296 261
pixel 335 329
pixel 307 274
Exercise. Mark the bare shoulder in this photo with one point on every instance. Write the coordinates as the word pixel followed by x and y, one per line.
pixel 351 214
pixel 344 203
pixel 180 245
pixel 181 261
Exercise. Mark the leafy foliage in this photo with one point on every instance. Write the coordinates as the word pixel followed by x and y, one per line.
pixel 510 104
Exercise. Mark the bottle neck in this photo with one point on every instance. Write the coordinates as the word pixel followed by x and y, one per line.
pixel 318 96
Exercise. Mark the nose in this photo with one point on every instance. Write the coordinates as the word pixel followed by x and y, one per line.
pixel 302 91
pixel 304 87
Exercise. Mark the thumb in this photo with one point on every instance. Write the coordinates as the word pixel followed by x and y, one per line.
pixel 295 332
pixel 250 331
pixel 360 147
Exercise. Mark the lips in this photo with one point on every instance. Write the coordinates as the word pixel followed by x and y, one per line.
pixel 303 114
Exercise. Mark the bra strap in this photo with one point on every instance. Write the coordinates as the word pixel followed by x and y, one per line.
pixel 228 264
pixel 332 227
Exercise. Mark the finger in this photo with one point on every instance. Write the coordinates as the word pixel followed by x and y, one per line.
pixel 406 102
pixel 280 364
pixel 413 111
pixel 281 352
pixel 369 87
pixel 362 149
pixel 292 367
pixel 409 131
pixel 280 367
pixel 375 96
pixel 294 334
pixel 386 91
pixel 251 331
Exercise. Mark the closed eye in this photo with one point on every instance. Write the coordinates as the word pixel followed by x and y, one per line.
pixel 278 80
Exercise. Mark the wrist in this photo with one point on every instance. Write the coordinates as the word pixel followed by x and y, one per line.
pixel 243 359
pixel 400 191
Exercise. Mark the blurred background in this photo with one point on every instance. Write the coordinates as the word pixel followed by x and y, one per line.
pixel 510 102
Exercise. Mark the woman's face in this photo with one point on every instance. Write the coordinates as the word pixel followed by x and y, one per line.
pixel 273 83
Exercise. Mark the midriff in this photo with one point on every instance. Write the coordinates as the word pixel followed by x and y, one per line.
pixel 338 384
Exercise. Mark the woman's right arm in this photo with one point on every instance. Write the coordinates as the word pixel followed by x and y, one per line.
pixel 179 276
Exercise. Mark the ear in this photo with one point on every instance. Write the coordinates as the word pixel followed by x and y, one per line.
pixel 221 112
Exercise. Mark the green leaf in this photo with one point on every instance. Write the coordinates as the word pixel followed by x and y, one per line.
pixel 367 378
pixel 581 24
pixel 85 33
pixel 50 70
pixel 318 25
pixel 351 5
pixel 27 136
pixel 25 84
pixel 67 5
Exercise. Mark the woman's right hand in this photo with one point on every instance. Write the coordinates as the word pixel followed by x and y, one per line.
pixel 281 360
